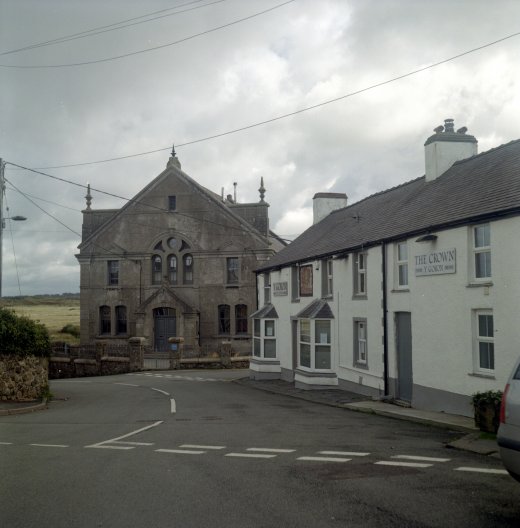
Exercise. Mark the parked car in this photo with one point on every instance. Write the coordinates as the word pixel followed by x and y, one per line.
pixel 508 436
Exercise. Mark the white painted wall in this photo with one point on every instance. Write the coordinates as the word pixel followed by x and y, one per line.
pixel 443 306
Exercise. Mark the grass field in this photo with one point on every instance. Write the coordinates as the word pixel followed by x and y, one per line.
pixel 54 312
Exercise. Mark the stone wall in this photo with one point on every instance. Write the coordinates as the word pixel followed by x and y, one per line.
pixel 22 379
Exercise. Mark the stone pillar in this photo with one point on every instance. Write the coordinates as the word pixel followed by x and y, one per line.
pixel 136 353
pixel 176 344
pixel 225 354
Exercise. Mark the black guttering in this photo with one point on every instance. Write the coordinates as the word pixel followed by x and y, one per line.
pixel 515 211
pixel 385 319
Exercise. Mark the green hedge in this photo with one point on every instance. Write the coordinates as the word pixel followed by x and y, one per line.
pixel 21 336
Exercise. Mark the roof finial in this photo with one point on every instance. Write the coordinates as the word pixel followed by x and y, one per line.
pixel 88 197
pixel 262 190
pixel 173 161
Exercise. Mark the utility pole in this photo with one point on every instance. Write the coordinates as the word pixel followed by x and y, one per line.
pixel 2 189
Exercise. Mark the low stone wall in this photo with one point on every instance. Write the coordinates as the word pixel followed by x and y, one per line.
pixel 60 367
pixel 23 379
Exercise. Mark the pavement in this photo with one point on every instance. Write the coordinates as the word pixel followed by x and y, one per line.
pixel 473 440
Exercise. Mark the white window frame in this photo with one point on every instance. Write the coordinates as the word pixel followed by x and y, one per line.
pixel 479 250
pixel 264 330
pixel 327 278
pixel 267 288
pixel 315 343
pixel 401 263
pixel 478 339
pixel 360 342
pixel 360 274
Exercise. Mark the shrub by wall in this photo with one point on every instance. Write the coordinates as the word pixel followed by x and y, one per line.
pixel 21 336
pixel 24 348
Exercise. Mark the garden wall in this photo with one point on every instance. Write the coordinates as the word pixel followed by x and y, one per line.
pixel 23 379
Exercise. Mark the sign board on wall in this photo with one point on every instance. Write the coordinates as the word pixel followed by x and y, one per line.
pixel 280 289
pixel 436 262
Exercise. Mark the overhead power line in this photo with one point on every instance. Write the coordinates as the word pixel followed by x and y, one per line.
pixel 284 116
pixel 147 50
pixel 112 27
pixel 126 199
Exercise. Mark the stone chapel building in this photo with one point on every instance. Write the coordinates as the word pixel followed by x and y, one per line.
pixel 176 260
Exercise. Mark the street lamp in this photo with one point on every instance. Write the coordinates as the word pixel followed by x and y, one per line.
pixel 16 218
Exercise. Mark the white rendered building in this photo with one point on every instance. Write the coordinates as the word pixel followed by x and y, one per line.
pixel 412 293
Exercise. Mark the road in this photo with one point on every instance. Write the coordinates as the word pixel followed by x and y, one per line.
pixel 193 449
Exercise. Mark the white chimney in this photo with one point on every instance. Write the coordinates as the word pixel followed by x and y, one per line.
pixel 324 203
pixel 446 147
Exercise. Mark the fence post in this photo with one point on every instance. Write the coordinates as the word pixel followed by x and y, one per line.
pixel 176 344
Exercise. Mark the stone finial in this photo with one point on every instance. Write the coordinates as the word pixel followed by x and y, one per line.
pixel 262 190
pixel 88 197
pixel 173 161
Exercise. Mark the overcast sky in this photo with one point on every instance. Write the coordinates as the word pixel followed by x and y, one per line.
pixel 294 56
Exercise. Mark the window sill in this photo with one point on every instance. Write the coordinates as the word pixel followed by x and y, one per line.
pixel 479 284
pixel 327 297
pixel 232 286
pixel 362 366
pixel 400 290
pixel 297 300
pixel 481 375
pixel 360 297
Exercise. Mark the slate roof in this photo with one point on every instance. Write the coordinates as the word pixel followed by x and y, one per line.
pixel 478 188
pixel 266 312
pixel 318 309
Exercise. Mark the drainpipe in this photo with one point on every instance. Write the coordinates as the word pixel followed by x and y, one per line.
pixel 385 320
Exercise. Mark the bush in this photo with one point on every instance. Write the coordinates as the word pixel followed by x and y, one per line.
pixel 21 336
pixel 71 329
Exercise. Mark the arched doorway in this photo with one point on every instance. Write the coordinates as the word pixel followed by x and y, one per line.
pixel 165 326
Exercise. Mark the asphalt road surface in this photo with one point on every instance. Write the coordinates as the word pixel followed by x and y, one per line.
pixel 193 449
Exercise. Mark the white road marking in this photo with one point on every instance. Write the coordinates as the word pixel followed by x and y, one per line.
pixel 422 458
pixel 6 443
pixel 161 391
pixel 102 444
pixel 192 446
pixel 173 406
pixel 269 450
pixel 483 470
pixel 127 384
pixel 134 443
pixel 49 445
pixel 323 459
pixel 110 447
pixel 343 453
pixel 403 464
pixel 180 451
pixel 249 455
